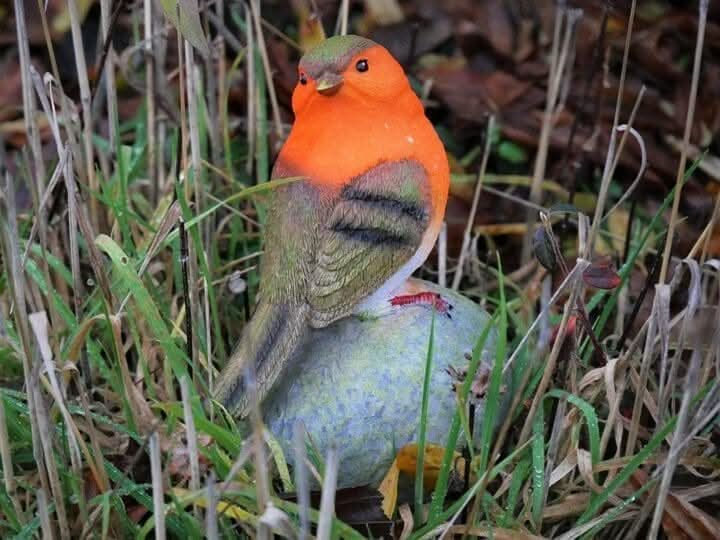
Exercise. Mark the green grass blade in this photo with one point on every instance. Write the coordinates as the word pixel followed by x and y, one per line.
pixel 538 464
pixel 144 304
pixel 441 486
pixel 492 401
pixel 590 417
pixel 422 428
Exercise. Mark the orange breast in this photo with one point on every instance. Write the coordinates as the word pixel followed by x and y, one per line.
pixel 337 138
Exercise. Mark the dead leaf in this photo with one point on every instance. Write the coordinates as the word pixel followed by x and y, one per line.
pixel 601 276
pixel 681 519
pixel 389 489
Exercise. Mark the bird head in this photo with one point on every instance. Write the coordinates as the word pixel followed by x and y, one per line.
pixel 349 66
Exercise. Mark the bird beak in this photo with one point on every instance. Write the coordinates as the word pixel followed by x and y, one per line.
pixel 329 84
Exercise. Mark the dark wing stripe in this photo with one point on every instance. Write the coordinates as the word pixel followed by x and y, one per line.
pixel 410 209
pixel 371 235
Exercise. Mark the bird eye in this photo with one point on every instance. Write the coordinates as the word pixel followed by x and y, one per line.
pixel 362 65
pixel 303 79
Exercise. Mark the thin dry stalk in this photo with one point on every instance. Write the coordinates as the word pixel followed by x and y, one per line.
pixel 661 303
pixel 211 517
pixel 343 16
pixel 554 353
pixel 707 232
pixel 7 464
pixel 570 280
pixel 157 486
pixel 327 500
pixel 45 431
pixel 195 155
pixel 702 21
pixel 668 378
pixel 150 97
pixel 302 484
pixel 442 255
pixel 476 199
pixel 44 512
pixel 680 441
pixel 191 435
pixel 30 114
pixel 251 89
pixel 692 382
pixel 558 62
pixel 48 38
pixel 611 162
pixel 86 103
pixel 110 87
pixel 262 48
pixel 29 105
pixel 262 475
pixel 613 156
pixel 16 283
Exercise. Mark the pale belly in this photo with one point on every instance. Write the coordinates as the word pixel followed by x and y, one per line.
pixel 396 284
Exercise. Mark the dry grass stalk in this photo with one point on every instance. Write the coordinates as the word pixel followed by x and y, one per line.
pixel 158 488
pixel 16 284
pixel 251 89
pixel 150 95
pixel 191 435
pixel 476 198
pixel 692 380
pixel 555 352
pixel 262 474
pixel 697 62
pixel 341 28
pixel 302 484
pixel 613 156
pixel 570 281
pixel 262 48
pixel 661 305
pixel 442 255
pixel 86 105
pixel 7 464
pixel 567 19
pixel 327 500
pixel 44 511
pixel 109 74
pixel 211 517
pixel 193 88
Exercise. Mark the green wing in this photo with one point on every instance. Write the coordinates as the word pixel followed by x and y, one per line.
pixel 375 226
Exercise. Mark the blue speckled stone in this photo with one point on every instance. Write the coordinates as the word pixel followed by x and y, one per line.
pixel 358 385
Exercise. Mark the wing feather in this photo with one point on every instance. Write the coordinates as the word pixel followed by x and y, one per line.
pixel 374 228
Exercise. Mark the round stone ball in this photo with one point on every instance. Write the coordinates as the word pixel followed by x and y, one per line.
pixel 357 385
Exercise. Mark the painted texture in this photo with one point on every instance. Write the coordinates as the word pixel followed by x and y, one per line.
pixel 358 385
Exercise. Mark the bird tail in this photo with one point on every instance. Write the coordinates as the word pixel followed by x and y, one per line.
pixel 267 342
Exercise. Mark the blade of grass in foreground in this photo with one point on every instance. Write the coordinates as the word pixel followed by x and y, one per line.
pixel 131 283
pixel 538 465
pixel 623 476
pixel 244 194
pixel 432 525
pixel 419 488
pixel 492 400
pixel 441 486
